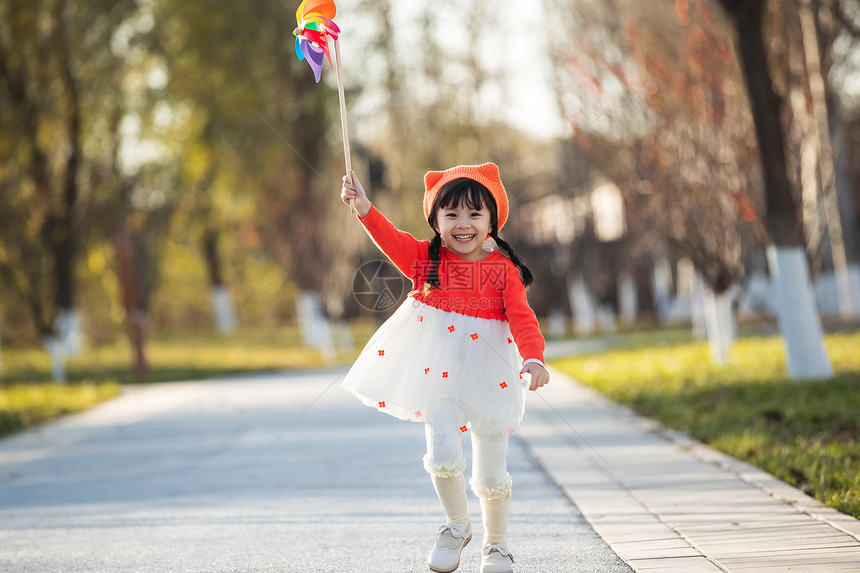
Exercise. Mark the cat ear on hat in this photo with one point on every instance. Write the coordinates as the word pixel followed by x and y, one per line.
pixel 431 178
pixel 490 170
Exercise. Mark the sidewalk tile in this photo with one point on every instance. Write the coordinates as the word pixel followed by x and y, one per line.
pixel 676 565
pixel 667 503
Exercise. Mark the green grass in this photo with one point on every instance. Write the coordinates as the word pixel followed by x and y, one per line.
pixel 806 433
pixel 28 396
pixel 25 405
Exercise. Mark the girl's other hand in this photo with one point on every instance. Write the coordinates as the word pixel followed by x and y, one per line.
pixel 352 189
pixel 539 375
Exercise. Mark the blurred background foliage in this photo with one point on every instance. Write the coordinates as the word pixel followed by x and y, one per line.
pixel 154 151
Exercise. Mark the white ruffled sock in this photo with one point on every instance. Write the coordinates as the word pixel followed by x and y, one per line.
pixel 452 494
pixel 494 511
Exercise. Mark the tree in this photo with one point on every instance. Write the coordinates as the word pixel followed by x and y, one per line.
pixel 697 151
pixel 685 163
pixel 816 110
pixel 255 158
pixel 49 120
pixel 799 323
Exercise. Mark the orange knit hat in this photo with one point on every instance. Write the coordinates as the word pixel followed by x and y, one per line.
pixel 486 174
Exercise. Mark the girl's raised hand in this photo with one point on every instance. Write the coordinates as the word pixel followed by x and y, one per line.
pixel 539 375
pixel 352 189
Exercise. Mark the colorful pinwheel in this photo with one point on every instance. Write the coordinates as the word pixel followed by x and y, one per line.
pixel 315 27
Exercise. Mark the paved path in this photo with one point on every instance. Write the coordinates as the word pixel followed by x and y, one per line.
pixel 288 473
pixel 269 473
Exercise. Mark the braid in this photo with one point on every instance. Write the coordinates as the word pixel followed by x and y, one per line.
pixel 433 277
pixel 525 273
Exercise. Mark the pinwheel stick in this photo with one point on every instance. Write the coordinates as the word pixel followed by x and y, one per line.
pixel 343 123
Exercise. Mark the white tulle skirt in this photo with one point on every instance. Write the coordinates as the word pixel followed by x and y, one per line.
pixel 424 364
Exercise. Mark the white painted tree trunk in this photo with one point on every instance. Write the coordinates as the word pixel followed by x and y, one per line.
pixel 66 341
pixel 583 306
pixel 222 307
pixel 315 327
pixel 344 336
pixel 854 285
pixel 697 308
pixel 67 325
pixel 628 299
pixel 826 293
pixel 556 323
pixel 683 310
pixel 661 280
pixel 606 318
pixel 838 292
pixel 799 324
pixel 57 351
pixel 720 324
pixel 847 308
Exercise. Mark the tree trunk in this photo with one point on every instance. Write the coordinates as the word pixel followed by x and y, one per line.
pixel 798 318
pixel 661 280
pixel 583 306
pixel 62 231
pixel 628 299
pixel 821 130
pixel 65 247
pixel 315 327
pixel 783 222
pixel 720 324
pixel 222 301
pixel 851 230
pixel 806 355
pixel 56 350
pixel 606 318
pixel 697 308
pixel 128 272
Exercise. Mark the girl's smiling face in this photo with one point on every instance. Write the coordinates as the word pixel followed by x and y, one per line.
pixel 464 229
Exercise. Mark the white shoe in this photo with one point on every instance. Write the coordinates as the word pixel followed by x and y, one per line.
pixel 496 559
pixel 451 538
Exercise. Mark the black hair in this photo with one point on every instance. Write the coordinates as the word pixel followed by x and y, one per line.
pixel 475 196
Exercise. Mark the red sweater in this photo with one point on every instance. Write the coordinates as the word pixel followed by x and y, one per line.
pixel 489 288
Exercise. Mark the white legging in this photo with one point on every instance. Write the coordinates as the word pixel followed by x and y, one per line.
pixel 444 457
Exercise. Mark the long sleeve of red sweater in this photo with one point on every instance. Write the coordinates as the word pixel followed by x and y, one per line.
pixel 521 317
pixel 404 250
pixel 410 256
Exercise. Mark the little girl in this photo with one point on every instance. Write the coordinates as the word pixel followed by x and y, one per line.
pixel 448 356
